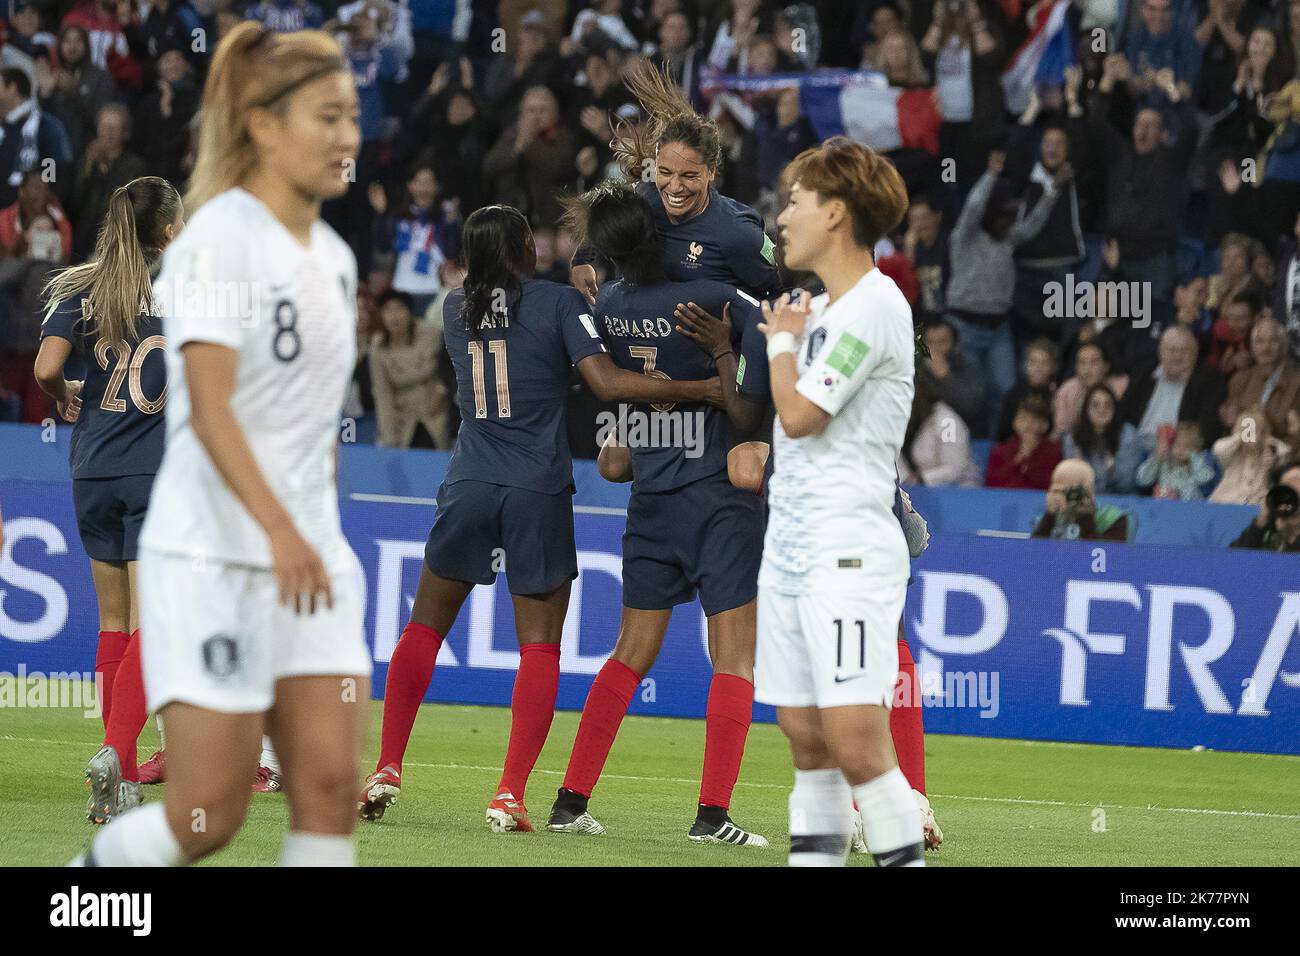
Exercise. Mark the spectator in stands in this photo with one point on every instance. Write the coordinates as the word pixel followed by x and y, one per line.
pixel 1229 339
pixel 28 136
pixel 1038 377
pixel 1105 441
pixel 535 159
pixel 74 89
pixel 1072 513
pixel 105 165
pixel 965 49
pixel 1057 248
pixel 1164 57
pixel 404 377
pixel 1092 367
pixel 955 381
pixel 1178 468
pixel 926 247
pixel 1174 390
pixel 164 115
pixel 936 448
pixel 1277 526
pixel 35 226
pixel 104 22
pixel 422 235
pixel 1271 381
pixel 1146 183
pixel 1236 253
pixel 1026 459
pixel 982 249
pixel 286 16
pixel 1247 455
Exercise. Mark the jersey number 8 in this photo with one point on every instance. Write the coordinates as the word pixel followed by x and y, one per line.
pixel 287 342
pixel 129 363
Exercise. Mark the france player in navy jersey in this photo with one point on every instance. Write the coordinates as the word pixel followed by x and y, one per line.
pixel 674 159
pixel 102 311
pixel 507 501
pixel 689 529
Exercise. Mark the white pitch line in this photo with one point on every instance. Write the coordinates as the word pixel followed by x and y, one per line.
pixel 1023 801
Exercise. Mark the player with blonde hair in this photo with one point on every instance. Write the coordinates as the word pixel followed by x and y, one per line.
pixel 252 601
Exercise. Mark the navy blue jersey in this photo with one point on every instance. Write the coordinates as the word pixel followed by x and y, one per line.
pixel 725 243
pixel 120 431
pixel 681 442
pixel 512 382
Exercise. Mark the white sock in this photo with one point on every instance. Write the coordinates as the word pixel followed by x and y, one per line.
pixel 821 808
pixel 269 760
pixel 162 734
pixel 891 820
pixel 139 837
pixel 317 849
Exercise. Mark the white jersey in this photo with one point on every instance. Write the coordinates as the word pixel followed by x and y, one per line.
pixel 831 524
pixel 237 277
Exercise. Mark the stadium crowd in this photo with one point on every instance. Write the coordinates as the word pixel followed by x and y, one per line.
pixel 1109 275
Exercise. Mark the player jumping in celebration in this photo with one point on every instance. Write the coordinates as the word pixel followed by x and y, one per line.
pixel 835 561
pixel 673 157
pixel 507 498
pixel 103 310
pixel 688 527
pixel 252 601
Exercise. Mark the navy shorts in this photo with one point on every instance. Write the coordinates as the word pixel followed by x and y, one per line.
pixel 707 535
pixel 482 528
pixel 110 512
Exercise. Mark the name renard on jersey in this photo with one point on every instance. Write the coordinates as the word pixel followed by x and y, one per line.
pixel 658 328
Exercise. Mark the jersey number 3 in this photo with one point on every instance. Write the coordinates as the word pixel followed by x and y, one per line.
pixel 128 364
pixel 498 351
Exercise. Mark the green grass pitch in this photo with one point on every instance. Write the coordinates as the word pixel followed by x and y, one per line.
pixel 999 802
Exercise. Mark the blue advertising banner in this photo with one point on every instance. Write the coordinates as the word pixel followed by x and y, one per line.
pixel 1117 644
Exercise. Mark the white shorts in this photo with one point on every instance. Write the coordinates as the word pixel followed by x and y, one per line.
pixel 216 636
pixel 828 649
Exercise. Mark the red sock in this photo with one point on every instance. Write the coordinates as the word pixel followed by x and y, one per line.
pixel 129 711
pixel 726 724
pixel 532 708
pixel 108 658
pixel 409 672
pixel 906 722
pixel 607 702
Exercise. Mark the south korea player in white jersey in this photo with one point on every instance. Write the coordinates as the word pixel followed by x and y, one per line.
pixel 252 602
pixel 835 562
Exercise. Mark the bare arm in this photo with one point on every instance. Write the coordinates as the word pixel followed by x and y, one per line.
pixel 210 372
pixel 610 383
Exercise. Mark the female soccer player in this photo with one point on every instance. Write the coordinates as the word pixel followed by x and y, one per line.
pixel 835 560
pixel 688 526
pixel 507 500
pixel 103 310
pixel 673 157
pixel 251 599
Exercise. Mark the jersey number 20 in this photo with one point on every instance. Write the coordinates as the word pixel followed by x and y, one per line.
pixel 497 349
pixel 129 364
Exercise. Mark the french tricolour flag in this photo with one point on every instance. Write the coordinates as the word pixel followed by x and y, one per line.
pixel 855 103
pixel 1042 58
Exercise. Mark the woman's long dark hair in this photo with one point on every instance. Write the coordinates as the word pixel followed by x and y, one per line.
pixel 619 225
pixel 924 398
pixel 1087 438
pixel 499 255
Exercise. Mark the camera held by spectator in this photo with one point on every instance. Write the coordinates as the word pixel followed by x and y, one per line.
pixel 1277 527
pixel 1072 513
